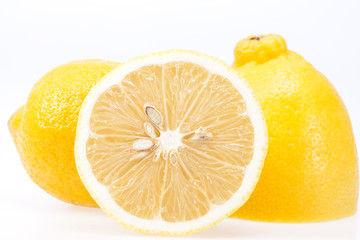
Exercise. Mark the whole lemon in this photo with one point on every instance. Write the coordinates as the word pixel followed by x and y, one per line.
pixel 311 170
pixel 44 128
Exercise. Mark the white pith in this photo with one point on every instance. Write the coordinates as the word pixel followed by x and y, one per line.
pixel 170 141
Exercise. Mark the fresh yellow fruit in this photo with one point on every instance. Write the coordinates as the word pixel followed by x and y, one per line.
pixel 170 143
pixel 44 128
pixel 311 170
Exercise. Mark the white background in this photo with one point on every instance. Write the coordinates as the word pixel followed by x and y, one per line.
pixel 37 35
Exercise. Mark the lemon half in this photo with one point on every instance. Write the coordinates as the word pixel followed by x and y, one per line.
pixel 170 143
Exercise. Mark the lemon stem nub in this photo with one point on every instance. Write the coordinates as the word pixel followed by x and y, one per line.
pixel 257 38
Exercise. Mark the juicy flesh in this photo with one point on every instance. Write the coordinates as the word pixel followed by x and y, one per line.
pixel 200 115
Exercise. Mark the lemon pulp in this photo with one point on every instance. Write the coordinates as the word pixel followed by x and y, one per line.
pixel 175 183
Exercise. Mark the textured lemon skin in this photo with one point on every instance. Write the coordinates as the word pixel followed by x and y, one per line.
pixel 311 168
pixel 44 128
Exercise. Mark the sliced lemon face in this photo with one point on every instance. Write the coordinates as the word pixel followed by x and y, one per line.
pixel 170 143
